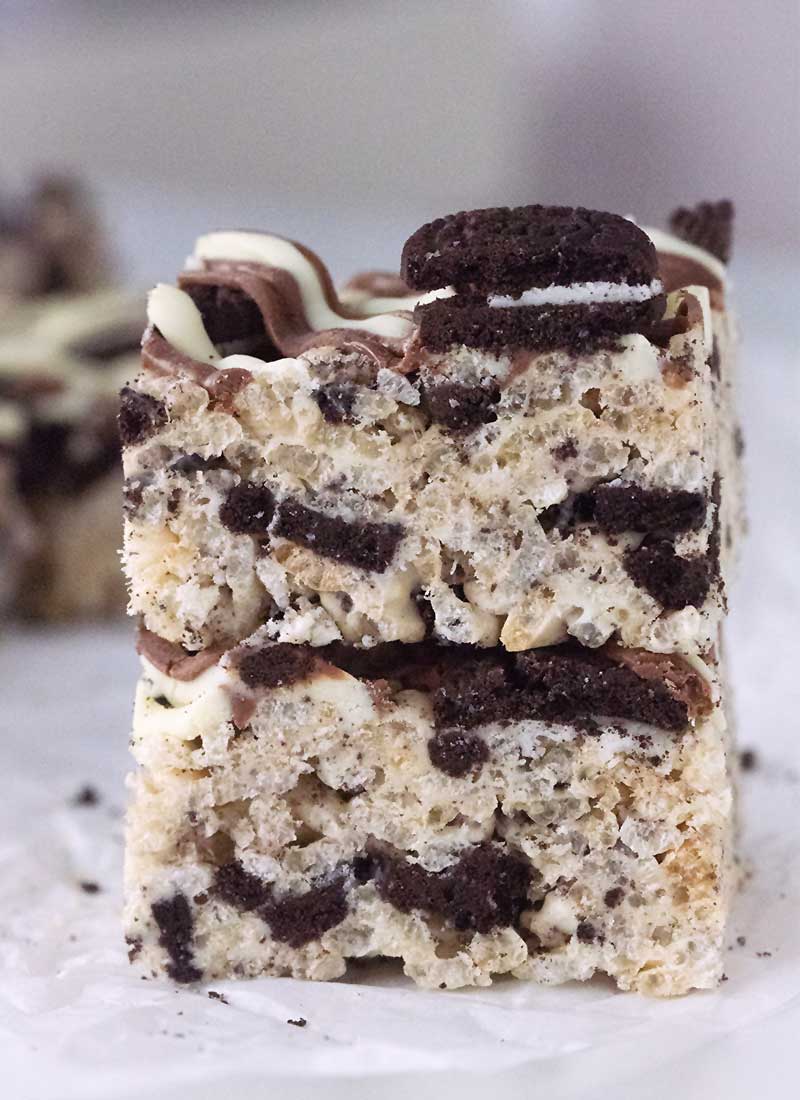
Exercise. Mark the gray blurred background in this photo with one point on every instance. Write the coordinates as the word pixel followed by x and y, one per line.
pixel 346 124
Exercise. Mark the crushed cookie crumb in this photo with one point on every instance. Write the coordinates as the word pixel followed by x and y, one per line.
pixel 748 760
pixel 86 796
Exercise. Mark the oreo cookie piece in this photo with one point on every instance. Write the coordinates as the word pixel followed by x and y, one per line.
pixel 506 250
pixel 140 416
pixel 232 319
pixel 577 329
pixel 673 581
pixel 510 267
pixel 709 225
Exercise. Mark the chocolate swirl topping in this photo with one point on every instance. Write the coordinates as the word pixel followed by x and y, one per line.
pixel 267 297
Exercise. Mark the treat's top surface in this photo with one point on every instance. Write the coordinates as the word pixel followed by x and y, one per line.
pixel 508 250
pixel 524 277
pixel 310 277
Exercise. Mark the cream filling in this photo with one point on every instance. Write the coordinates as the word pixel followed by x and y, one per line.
pixel 262 248
pixel 577 294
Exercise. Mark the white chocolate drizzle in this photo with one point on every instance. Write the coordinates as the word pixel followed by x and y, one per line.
pixel 276 252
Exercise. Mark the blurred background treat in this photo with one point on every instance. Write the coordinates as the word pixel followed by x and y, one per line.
pixel 67 344
pixel 50 245
pixel 60 373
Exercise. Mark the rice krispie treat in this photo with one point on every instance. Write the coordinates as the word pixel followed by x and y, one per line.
pixel 430 579
pixel 547 814
pixel 565 483
pixel 59 380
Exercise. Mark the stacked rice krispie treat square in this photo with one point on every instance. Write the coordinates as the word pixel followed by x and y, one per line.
pixel 430 576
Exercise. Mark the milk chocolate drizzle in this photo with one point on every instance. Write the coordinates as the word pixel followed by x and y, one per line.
pixel 278 298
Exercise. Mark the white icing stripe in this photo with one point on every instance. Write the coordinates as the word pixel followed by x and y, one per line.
pixel 262 248
pixel 577 294
pixel 674 246
pixel 179 321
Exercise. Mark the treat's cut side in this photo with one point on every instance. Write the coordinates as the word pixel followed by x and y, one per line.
pixel 481 498
pixel 469 819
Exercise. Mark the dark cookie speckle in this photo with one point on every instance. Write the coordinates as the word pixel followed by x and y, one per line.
pixel 275 665
pixel 248 509
pixel 336 401
pixel 459 407
pixel 671 580
pixel 587 933
pixel 457 752
pixel 86 796
pixel 369 546
pixel 135 945
pixel 748 760
pixel 663 512
pixel 140 416
pixel 614 896
pixel 194 463
pixel 174 919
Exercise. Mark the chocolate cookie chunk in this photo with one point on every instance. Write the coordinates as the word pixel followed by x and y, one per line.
pixel 577 329
pixel 140 416
pixel 709 225
pixel 675 582
pixel 505 250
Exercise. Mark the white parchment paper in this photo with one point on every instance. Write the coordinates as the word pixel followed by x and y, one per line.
pixel 77 1023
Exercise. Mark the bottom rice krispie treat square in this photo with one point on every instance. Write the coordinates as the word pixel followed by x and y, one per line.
pixel 547 814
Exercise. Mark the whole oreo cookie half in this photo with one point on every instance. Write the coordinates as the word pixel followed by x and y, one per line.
pixel 506 250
